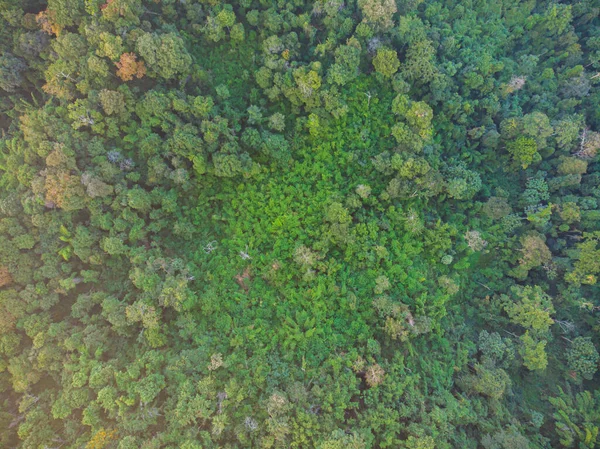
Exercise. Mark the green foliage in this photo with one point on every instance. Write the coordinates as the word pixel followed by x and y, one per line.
pixel 531 308
pixel 583 357
pixel 533 353
pixel 11 72
pixel 462 183
pixel 587 264
pixel 488 381
pixel 576 418
pixel 165 54
pixel 386 62
pixel 332 224
pixel 495 350
pixel 505 439
pixel 524 151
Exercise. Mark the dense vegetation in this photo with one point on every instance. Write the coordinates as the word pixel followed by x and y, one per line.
pixel 287 224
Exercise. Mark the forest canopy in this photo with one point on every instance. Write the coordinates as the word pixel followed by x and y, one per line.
pixel 333 224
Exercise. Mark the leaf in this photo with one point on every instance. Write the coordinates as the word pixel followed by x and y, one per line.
pixel 66 252
pixel 64 231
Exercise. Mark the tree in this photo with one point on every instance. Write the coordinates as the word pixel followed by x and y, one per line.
pixel 419 116
pixel 378 12
pixel 61 79
pixel 201 106
pixel 589 144
pixel 65 13
pixel 495 350
pixel 128 67
pixel 277 121
pixel 149 387
pixel 47 21
pixel 63 190
pixel 113 246
pixel 110 46
pixel 307 83
pixel 5 277
pixel 524 151
pixel 576 417
pixel 374 375
pixel 113 102
pixel 587 261
pixel 101 439
pixel 537 126
pixel 497 208
pixel 572 166
pixel 509 438
pixel 346 66
pixel 568 131
pixel 139 199
pixel 487 381
pixel 532 309
pixel 535 252
pixel 533 353
pixel 386 62
pixel 420 62
pixel 583 357
pixel 123 12
pixel 11 72
pixel 164 54
pixel 462 183
pixel 339 439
